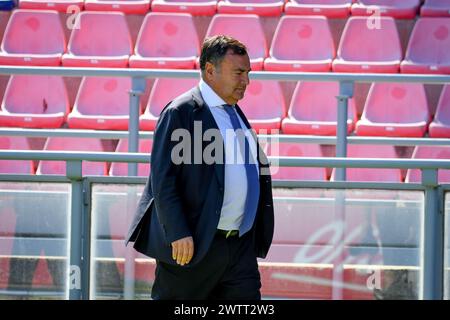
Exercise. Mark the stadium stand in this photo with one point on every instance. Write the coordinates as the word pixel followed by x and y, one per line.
pixel 301 44
pixel 399 9
pixel 329 8
pixel 59 5
pixel 34 101
pixel 194 7
pixel 428 33
pixel 33 38
pixel 313 110
pixel 121 169
pixel 247 29
pixel 163 91
pixel 264 105
pixel 373 175
pixel 366 48
pixel 440 126
pixel 72 144
pixel 395 110
pixel 429 152
pixel 435 8
pixel 286 149
pixel 125 6
pixel 259 7
pixel 166 40
pixel 102 104
pixel 94 45
pixel 15 166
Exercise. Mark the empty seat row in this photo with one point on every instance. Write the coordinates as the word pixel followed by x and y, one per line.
pixel 405 9
pixel 391 109
pixel 283 149
pixel 170 41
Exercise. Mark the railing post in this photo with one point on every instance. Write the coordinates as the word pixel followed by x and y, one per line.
pixel 77 291
pixel 137 88
pixel 432 240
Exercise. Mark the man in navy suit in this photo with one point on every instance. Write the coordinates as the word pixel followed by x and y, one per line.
pixel 206 222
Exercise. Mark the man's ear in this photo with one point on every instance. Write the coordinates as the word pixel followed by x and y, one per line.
pixel 209 70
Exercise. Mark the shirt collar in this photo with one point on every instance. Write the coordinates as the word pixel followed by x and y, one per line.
pixel 210 97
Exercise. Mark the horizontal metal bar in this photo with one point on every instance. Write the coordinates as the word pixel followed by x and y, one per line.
pixel 260 75
pixel 347 185
pixel 73 133
pixel 279 161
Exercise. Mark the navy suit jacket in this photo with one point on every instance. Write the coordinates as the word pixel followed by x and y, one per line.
pixel 181 200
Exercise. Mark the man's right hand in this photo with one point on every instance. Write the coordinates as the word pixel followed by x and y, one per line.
pixel 183 250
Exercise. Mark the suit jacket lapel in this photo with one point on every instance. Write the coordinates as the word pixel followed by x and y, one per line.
pixel 203 113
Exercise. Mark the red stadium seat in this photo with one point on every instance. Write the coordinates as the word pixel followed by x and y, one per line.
pixel 435 8
pixel 121 169
pixel 72 144
pixel 34 101
pixel 102 103
pixel 163 91
pixel 125 6
pixel 440 127
pixel 15 166
pixel 429 152
pixel 395 110
pixel 259 7
pixel 264 105
pixel 33 37
pixel 95 45
pixel 194 7
pixel 247 29
pixel 428 47
pixel 314 110
pixel 366 48
pixel 59 5
pixel 330 8
pixel 370 174
pixel 301 44
pixel 286 149
pixel 166 40
pixel 399 9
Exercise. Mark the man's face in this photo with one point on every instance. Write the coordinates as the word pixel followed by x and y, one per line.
pixel 230 78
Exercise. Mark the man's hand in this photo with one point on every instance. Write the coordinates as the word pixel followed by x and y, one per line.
pixel 183 250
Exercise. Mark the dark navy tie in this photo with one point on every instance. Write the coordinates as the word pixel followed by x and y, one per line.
pixel 251 202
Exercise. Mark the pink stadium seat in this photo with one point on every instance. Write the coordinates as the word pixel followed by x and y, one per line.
pixel 366 48
pixel 125 6
pixel 102 103
pixel 314 110
pixel 395 110
pixel 259 7
pixel 328 8
pixel 247 29
pixel 428 45
pixel 301 44
pixel 72 144
pixel 264 105
pixel 435 8
pixel 440 127
pixel 163 91
pixel 33 37
pixel 399 9
pixel 370 174
pixel 429 152
pixel 15 166
pixel 34 101
pixel 286 149
pixel 95 45
pixel 166 40
pixel 194 7
pixel 121 169
pixel 59 5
